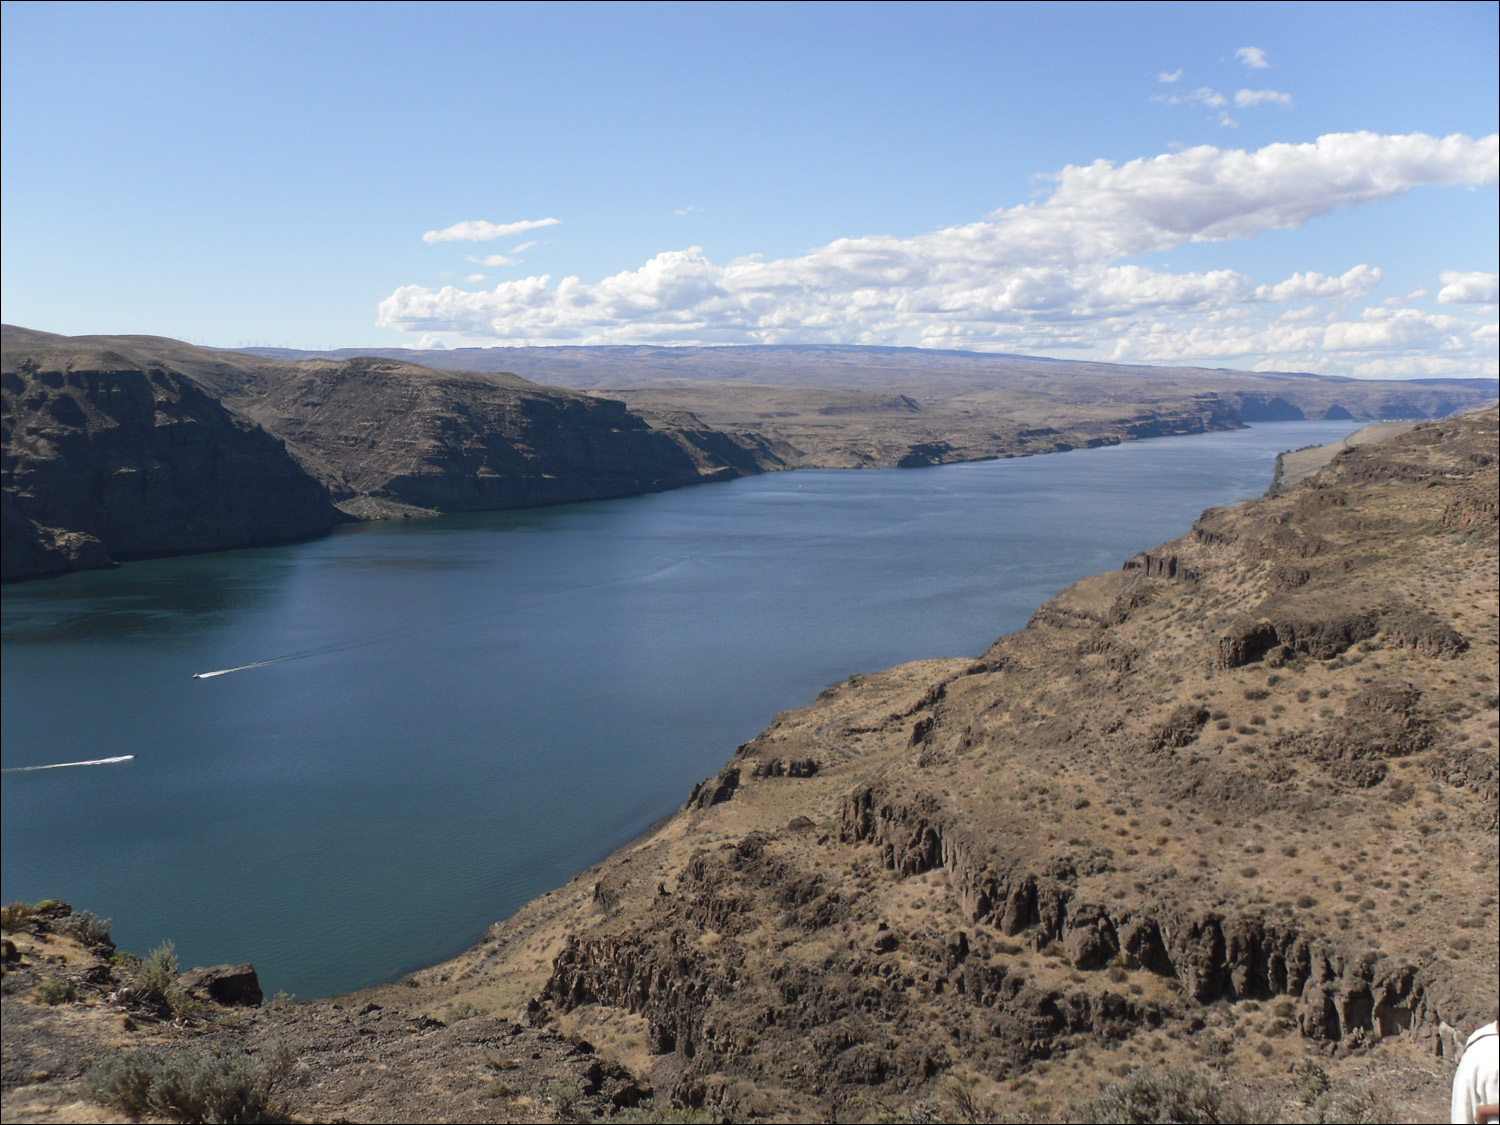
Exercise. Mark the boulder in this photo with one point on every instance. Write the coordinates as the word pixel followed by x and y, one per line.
pixel 229 985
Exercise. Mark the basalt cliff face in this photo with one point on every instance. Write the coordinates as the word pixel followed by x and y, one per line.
pixel 383 431
pixel 1228 807
pixel 139 445
pixel 174 447
pixel 108 455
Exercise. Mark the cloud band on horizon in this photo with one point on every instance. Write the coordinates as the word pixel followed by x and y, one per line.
pixel 1046 275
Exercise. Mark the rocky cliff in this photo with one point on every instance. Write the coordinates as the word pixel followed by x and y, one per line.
pixel 138 445
pixel 107 454
pixel 961 378
pixel 384 431
pixel 1230 807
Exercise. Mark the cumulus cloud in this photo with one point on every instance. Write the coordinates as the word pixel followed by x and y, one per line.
pixel 1169 75
pixel 1050 274
pixel 1203 95
pixel 475 277
pixel 491 260
pixel 478 230
pixel 1246 98
pixel 1468 288
pixel 1313 286
pixel 1252 57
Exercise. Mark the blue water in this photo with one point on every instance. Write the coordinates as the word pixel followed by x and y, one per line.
pixel 465 712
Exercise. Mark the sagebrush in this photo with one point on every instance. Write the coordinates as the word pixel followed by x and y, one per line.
pixel 193 1084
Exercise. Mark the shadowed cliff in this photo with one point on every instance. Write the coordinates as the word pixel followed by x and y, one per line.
pixel 135 445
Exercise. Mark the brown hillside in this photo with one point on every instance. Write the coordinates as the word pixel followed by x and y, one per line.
pixel 1232 808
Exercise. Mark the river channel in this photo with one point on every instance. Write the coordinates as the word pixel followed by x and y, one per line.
pixel 423 724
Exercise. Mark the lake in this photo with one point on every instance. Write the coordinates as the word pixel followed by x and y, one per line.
pixel 433 721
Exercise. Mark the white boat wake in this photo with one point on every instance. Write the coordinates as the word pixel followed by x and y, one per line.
pixel 240 668
pixel 69 765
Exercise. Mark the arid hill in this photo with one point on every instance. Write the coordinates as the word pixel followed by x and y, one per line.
pixel 119 445
pixel 857 407
pixel 1229 811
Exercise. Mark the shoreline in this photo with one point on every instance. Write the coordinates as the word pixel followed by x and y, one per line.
pixel 1270 434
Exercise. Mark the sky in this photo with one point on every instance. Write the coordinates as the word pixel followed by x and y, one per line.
pixel 1287 186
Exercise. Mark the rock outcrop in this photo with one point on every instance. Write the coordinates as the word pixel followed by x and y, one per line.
pixel 118 446
pixel 106 456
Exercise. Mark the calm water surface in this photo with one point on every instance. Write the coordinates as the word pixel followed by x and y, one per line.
pixel 462 713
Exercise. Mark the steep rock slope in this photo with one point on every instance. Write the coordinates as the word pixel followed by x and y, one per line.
pixel 1230 805
pixel 140 445
pixel 384 431
pixel 107 454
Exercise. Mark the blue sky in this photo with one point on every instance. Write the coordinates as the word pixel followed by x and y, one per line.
pixel 1279 186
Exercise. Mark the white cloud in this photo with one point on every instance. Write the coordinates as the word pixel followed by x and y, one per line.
pixel 1312 286
pixel 1246 98
pixel 1295 334
pixel 1169 76
pixel 524 246
pixel 1252 57
pixel 477 230
pixel 1468 288
pixel 1048 275
pixel 1203 95
pixel 688 210
pixel 491 259
pixel 475 277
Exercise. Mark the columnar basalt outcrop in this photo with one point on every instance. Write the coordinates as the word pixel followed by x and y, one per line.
pixel 1215 957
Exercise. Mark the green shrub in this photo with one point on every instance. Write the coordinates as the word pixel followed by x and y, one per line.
pixel 56 990
pixel 565 1098
pixel 1312 1080
pixel 16 916
pixel 158 972
pixel 1147 1098
pixel 193 1084
pixel 1361 1105
pixel 156 981
pixel 86 928
pixel 962 1095
pixel 463 1011
pixel 649 1113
